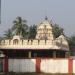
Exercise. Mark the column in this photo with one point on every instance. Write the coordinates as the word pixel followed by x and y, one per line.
pixel 29 54
pixel 70 66
pixel 66 54
pixel 6 62
pixel 54 54
pixel 6 65
pixel 38 64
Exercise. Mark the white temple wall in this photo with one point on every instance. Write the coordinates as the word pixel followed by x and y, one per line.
pixel 54 66
pixel 45 65
pixel 22 65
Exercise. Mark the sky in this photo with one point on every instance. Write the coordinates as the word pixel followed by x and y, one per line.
pixel 0 11
pixel 61 12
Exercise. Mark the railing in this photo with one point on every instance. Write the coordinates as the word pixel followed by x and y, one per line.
pixel 34 44
pixel 27 42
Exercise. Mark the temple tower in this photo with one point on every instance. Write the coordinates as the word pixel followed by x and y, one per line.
pixel 44 30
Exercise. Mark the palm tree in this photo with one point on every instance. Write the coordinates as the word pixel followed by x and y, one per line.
pixel 8 34
pixel 20 27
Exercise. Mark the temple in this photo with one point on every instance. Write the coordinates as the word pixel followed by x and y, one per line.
pixel 43 46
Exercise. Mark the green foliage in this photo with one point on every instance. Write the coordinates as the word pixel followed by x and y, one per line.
pixel 20 27
pixel 8 34
pixel 71 41
pixel 57 31
pixel 32 32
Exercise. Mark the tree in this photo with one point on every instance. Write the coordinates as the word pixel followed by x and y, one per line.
pixel 57 30
pixel 20 26
pixel 8 34
pixel 71 41
pixel 32 32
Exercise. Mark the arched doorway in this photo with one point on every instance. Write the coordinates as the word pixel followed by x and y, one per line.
pixel 15 41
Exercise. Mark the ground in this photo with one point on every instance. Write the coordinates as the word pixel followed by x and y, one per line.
pixel 33 74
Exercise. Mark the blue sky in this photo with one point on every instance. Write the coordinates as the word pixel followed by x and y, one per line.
pixel 61 12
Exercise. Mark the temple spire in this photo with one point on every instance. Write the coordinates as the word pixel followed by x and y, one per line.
pixel 46 18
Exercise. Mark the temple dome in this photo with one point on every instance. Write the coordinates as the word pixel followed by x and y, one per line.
pixel 61 40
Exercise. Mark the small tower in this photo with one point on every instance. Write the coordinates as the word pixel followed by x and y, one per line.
pixel 44 30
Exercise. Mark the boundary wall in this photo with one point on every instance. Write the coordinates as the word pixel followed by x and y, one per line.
pixel 46 65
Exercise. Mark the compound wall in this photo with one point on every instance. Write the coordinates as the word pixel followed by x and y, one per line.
pixel 45 65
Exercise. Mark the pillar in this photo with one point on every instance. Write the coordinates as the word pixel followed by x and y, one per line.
pixel 54 54
pixel 70 66
pixel 29 54
pixel 5 62
pixel 38 64
pixel 66 54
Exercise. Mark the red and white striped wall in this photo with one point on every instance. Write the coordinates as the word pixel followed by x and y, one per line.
pixel 39 65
